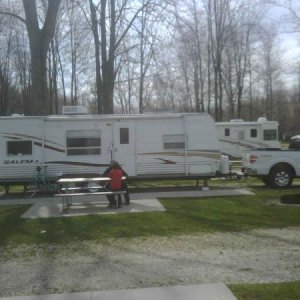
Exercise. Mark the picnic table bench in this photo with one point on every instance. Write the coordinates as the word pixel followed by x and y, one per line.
pixel 94 185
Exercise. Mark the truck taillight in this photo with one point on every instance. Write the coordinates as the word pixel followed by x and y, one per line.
pixel 253 158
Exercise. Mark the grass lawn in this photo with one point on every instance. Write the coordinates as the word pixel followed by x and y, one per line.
pixel 270 291
pixel 183 216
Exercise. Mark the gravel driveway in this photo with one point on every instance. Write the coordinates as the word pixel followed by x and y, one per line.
pixel 271 255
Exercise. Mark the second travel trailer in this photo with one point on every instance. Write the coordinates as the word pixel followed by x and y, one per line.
pixel 237 136
pixel 169 145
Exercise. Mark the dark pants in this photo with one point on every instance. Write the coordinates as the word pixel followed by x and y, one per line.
pixel 112 200
pixel 126 195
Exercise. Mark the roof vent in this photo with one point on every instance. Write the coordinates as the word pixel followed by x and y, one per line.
pixel 74 110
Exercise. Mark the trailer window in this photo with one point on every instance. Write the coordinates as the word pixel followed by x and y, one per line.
pixel 174 141
pixel 83 142
pixel 19 148
pixel 253 133
pixel 270 134
pixel 227 132
pixel 124 136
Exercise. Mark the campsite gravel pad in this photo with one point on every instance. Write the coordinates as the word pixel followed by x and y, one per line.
pixel 271 255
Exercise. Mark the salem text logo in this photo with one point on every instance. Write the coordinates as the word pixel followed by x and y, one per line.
pixel 19 161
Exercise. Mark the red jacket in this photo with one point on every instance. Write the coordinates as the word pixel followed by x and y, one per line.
pixel 115 176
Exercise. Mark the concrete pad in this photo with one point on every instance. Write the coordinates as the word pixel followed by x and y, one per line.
pixel 24 201
pixel 216 291
pixel 73 296
pixel 193 193
pixel 210 291
pixel 89 206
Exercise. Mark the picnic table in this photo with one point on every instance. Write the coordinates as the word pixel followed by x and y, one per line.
pixel 71 187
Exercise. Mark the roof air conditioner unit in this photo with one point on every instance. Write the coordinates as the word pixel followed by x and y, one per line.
pixel 74 110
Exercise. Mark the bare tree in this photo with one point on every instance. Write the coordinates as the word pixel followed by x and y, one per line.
pixel 53 77
pixel 95 30
pixel 22 65
pixel 145 43
pixel 125 83
pixel 39 40
pixel 271 63
pixel 5 78
pixel 192 52
pixel 217 15
pixel 243 21
pixel 108 34
pixel 149 27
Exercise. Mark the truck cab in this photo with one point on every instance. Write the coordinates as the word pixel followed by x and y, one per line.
pixel 295 143
pixel 276 167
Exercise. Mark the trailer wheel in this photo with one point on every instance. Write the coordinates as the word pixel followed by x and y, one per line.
pixel 281 176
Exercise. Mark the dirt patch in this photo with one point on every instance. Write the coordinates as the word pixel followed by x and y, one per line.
pixel 255 256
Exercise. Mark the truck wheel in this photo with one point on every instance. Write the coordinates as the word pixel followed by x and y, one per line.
pixel 281 177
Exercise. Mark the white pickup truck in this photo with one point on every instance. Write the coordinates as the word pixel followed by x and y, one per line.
pixel 276 167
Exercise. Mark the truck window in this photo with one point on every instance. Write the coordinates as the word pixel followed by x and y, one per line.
pixel 19 147
pixel 294 144
pixel 270 134
pixel 83 142
pixel 253 133
pixel 174 141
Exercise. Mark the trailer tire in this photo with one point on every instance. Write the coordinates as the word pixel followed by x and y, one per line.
pixel 281 176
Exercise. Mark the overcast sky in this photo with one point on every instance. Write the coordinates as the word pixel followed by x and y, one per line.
pixel 289 42
pixel 290 39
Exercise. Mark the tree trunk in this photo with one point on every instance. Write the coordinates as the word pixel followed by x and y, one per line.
pixel 39 102
pixel 108 87
pixel 97 57
pixel 39 40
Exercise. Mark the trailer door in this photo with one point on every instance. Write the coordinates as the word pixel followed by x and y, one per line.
pixel 124 146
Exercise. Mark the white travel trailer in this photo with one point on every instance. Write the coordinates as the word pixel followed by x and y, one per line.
pixel 165 145
pixel 237 136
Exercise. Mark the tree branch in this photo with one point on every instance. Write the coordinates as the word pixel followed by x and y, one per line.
pixel 13 15
pixel 130 24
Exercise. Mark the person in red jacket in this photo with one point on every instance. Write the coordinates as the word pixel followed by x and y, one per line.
pixel 114 184
pixel 115 173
